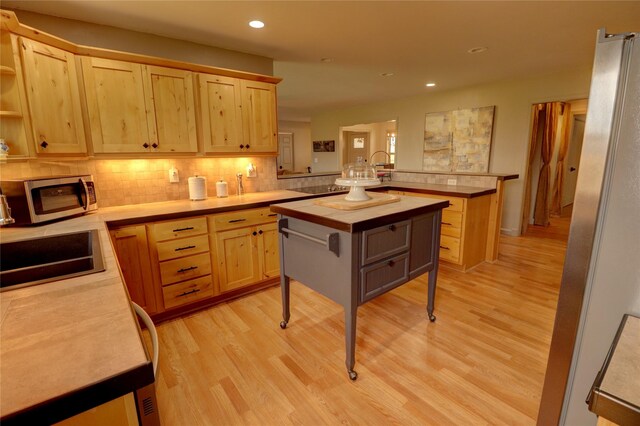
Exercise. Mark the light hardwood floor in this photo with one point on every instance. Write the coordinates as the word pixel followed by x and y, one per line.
pixel 482 362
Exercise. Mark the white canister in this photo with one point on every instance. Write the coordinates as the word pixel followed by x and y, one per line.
pixel 197 188
pixel 222 189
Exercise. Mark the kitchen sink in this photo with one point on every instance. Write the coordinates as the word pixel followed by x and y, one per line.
pixel 46 259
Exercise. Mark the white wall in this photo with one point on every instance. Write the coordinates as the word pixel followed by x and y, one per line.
pixel 513 100
pixel 145 44
pixel 301 143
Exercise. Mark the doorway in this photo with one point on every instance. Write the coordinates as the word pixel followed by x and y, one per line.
pixel 555 145
pixel 285 153
pixel 357 146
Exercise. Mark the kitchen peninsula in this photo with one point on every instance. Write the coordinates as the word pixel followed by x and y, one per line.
pixel 353 256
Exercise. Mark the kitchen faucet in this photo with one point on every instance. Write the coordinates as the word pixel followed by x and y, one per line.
pixel 240 187
pixel 381 175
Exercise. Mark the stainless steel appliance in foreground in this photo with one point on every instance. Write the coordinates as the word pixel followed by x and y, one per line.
pixel 352 257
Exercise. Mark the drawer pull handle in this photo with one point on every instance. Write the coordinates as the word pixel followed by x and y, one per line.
pixel 184 248
pixel 188 228
pixel 190 268
pixel 237 220
pixel 391 263
pixel 186 293
pixel 445 248
pixel 273 215
pixel 392 228
pixel 447 223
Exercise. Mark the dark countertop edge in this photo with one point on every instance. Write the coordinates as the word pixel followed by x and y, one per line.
pixel 83 399
pixel 363 225
pixel 480 192
pixel 499 176
pixel 605 404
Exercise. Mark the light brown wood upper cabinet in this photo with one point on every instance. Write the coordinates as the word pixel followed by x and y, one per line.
pixel 54 99
pixel 139 108
pixel 238 116
pixel 259 116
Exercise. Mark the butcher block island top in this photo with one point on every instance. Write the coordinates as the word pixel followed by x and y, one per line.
pixel 360 219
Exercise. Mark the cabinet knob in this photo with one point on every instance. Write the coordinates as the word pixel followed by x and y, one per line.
pixel 241 146
pixel 44 144
pixel 254 233
pixel 391 263
pixel 392 228
pixel 154 145
pixel 247 146
pixel 145 145
pixel 260 232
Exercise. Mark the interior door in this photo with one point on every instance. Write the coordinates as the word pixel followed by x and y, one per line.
pixel 572 163
pixel 357 146
pixel 285 151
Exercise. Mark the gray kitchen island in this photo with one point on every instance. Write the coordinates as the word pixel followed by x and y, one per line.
pixel 353 256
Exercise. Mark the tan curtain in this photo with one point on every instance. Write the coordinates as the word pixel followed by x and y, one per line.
pixel 541 211
pixel 556 203
pixel 535 113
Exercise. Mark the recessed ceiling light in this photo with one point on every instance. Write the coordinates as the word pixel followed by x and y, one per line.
pixel 326 59
pixel 386 74
pixel 477 50
pixel 430 84
pixel 256 24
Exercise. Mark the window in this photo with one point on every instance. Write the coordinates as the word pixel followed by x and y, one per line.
pixel 391 147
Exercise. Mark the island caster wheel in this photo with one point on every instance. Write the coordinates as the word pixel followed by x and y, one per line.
pixel 283 324
pixel 353 375
pixel 432 318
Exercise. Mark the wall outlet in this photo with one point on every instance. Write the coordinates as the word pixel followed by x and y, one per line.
pixel 252 171
pixel 174 177
pixel 315 159
pixel 451 181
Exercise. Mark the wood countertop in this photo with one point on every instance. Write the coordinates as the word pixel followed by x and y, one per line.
pixel 62 338
pixel 358 220
pixel 438 189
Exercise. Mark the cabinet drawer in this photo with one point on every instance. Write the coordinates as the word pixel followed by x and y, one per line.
pixel 385 241
pixel 450 248
pixel 179 228
pixel 383 276
pixel 187 291
pixel 173 249
pixel 241 218
pixel 173 271
pixel 451 223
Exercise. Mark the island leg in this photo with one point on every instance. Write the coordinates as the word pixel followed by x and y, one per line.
pixel 284 288
pixel 433 275
pixel 350 314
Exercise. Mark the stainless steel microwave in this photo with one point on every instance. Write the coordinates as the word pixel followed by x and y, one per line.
pixel 37 200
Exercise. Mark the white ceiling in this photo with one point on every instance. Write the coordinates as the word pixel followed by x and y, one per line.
pixel 419 41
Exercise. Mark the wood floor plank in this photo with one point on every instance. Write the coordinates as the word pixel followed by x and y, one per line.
pixel 482 362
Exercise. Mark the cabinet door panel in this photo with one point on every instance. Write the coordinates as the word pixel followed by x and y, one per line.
pixel 54 99
pixel 170 109
pixel 132 250
pixel 268 250
pixel 115 99
pixel 259 116
pixel 237 258
pixel 221 113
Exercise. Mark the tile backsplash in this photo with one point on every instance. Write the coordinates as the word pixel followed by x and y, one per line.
pixel 121 182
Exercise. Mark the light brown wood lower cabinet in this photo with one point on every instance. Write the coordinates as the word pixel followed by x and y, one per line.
pixel 463 234
pixel 132 251
pixel 169 265
pixel 120 411
pixel 246 247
